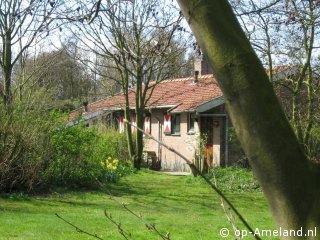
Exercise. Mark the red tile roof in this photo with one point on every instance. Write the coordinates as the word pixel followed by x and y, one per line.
pixel 183 93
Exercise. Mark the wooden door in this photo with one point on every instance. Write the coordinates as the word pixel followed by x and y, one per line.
pixel 207 133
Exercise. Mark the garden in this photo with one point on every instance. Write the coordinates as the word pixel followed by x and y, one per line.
pixel 183 206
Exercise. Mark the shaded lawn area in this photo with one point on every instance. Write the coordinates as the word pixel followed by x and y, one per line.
pixel 187 209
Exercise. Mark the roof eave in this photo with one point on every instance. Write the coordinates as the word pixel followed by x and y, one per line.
pixel 210 104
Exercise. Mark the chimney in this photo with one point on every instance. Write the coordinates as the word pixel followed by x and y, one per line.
pixel 197 64
pixel 85 106
pixel 201 65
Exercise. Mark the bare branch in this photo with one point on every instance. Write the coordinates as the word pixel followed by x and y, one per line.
pixel 79 230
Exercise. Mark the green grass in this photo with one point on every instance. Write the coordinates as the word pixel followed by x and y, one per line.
pixel 187 209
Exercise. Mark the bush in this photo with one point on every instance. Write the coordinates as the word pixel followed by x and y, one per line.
pixel 235 179
pixel 83 154
pixel 230 179
pixel 38 150
pixel 313 146
pixel 73 162
pixel 23 147
pixel 112 148
pixel 111 143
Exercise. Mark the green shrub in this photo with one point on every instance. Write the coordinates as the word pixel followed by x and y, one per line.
pixel 23 147
pixel 81 156
pixel 235 179
pixel 73 162
pixel 230 179
pixel 112 146
pixel 111 143
pixel 313 146
pixel 38 150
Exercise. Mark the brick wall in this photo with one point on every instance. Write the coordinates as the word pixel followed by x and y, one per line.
pixel 184 143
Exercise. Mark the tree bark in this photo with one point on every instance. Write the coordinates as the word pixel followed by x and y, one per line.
pixel 289 181
pixel 127 125
pixel 139 115
pixel 7 70
pixel 139 138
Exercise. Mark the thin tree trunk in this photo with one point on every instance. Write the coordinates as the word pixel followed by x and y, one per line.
pixel 128 128
pixel 139 138
pixel 289 181
pixel 139 116
pixel 7 70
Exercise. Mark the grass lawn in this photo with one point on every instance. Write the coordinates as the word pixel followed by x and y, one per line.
pixel 187 209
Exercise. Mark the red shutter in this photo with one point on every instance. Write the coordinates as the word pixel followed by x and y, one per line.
pixel 147 125
pixel 167 124
pixel 121 125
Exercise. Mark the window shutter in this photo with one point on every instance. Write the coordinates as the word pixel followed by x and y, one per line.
pixel 121 125
pixel 167 124
pixel 147 124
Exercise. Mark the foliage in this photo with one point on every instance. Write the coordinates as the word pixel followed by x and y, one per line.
pixel 230 179
pixel 63 74
pixel 285 36
pixel 313 147
pixel 72 163
pixel 23 146
pixel 112 169
pixel 236 153
pixel 200 153
pixel 111 143
pixel 83 155
pixel 38 150
pixel 235 179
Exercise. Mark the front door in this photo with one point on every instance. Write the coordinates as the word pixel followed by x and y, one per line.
pixel 211 131
pixel 207 134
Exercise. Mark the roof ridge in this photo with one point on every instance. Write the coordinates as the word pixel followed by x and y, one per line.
pixel 205 76
pixel 189 78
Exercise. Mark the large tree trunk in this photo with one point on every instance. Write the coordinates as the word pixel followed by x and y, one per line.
pixel 289 181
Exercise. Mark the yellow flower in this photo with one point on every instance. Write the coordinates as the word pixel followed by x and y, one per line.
pixel 110 166
pixel 116 161
pixel 102 163
pixel 114 168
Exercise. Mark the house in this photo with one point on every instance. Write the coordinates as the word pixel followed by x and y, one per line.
pixel 179 113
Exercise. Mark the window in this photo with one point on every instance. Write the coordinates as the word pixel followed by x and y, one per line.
pixel 175 128
pixel 191 120
pixel 108 120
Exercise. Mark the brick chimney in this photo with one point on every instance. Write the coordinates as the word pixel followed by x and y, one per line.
pixel 201 65
pixel 197 64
